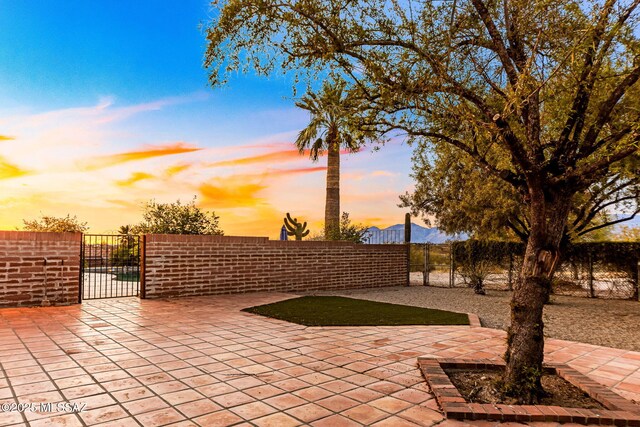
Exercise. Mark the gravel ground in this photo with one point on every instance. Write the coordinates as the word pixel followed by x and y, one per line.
pixel 610 323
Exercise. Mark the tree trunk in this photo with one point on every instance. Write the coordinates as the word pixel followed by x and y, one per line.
pixel 525 339
pixel 332 204
pixel 635 278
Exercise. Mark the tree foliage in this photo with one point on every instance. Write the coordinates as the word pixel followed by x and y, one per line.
pixel 465 199
pixel 176 218
pixel 127 253
pixel 329 122
pixel 351 232
pixel 476 259
pixel 68 224
pixel 628 234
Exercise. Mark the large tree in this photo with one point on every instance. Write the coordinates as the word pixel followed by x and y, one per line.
pixel 329 130
pixel 174 218
pixel 542 94
pixel 66 224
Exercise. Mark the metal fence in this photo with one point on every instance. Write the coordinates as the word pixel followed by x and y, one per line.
pixel 374 237
pixel 435 265
pixel 431 264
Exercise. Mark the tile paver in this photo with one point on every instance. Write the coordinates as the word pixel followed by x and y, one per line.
pixel 201 361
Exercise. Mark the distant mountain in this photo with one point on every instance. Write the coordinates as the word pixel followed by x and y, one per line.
pixel 419 234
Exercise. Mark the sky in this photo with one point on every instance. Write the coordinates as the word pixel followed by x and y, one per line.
pixel 104 105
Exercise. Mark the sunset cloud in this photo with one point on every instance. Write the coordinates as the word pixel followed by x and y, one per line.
pixel 9 170
pixel 176 169
pixel 91 162
pixel 135 177
pixel 131 156
pixel 268 174
pixel 286 172
pixel 231 193
pixel 273 157
pixel 276 156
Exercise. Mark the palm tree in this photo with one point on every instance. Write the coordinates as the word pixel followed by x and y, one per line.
pixel 127 253
pixel 126 233
pixel 329 129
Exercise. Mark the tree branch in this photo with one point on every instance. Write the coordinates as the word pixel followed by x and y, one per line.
pixel 575 120
pixel 607 107
pixel 587 174
pixel 496 37
pixel 607 224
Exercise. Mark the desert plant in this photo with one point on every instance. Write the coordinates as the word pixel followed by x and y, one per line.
pixel 294 228
pixel 407 228
pixel 476 259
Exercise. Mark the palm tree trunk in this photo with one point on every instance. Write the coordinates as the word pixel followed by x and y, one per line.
pixel 332 205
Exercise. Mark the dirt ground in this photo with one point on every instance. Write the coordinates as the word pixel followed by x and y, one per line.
pixel 606 322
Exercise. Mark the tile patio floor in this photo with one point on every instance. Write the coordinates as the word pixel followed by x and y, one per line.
pixel 200 361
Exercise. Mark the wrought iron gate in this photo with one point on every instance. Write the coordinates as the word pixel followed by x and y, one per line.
pixel 110 266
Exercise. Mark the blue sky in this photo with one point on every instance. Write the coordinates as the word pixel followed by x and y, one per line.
pixel 85 82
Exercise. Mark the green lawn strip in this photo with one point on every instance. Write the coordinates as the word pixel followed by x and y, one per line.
pixel 340 311
pixel 127 277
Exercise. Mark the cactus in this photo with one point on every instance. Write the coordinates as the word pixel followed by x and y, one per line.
pixel 407 228
pixel 294 228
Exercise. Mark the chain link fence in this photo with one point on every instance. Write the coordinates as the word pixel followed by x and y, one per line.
pixel 596 270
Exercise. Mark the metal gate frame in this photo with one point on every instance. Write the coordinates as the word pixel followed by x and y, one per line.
pixel 111 266
pixel 428 262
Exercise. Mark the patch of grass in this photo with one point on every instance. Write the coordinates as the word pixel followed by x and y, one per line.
pixel 340 311
pixel 127 277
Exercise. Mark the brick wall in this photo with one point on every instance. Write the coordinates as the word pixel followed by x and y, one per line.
pixel 22 268
pixel 205 265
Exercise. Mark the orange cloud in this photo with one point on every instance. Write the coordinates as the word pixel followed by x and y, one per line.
pixel 272 173
pixel 9 170
pixel 176 169
pixel 286 172
pixel 238 200
pixel 150 152
pixel 6 138
pixel 231 193
pixel 276 156
pixel 270 145
pixel 283 155
pixel 135 177
pixel 263 220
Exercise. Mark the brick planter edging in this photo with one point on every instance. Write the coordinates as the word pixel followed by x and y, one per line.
pixel 619 412
pixel 474 320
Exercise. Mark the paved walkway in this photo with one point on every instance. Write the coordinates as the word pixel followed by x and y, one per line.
pixel 200 361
